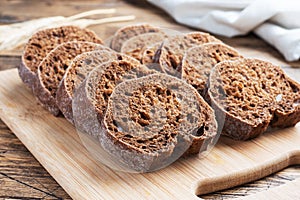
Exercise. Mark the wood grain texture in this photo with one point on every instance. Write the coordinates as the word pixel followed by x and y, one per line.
pixel 18 10
pixel 22 186
pixel 55 143
pixel 280 178
pixel 9 61
pixel 21 175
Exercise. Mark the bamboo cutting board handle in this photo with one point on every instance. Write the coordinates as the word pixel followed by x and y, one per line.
pixel 209 185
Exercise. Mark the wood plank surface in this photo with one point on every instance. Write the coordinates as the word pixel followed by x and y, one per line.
pixel 55 143
pixel 256 188
pixel 17 10
pixel 19 185
pixel 21 175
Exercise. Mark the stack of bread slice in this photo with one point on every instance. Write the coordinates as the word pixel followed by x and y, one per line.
pixel 151 97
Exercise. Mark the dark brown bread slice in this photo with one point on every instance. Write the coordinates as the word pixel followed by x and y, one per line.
pixel 136 45
pixel 253 94
pixel 43 41
pixel 151 55
pixel 287 113
pixel 169 55
pixel 52 69
pixel 90 99
pixel 128 32
pixel 199 60
pixel 80 67
pixel 151 121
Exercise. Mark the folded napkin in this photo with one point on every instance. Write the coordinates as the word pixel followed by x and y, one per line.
pixel 277 22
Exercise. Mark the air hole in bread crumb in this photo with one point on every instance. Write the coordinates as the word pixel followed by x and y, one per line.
pixel 55 58
pixel 244 108
pixel 65 66
pixel 167 137
pixel 294 88
pixel 168 92
pixel 256 115
pixel 29 58
pixel 128 136
pixel 120 57
pixel 200 131
pixel 139 141
pixel 231 55
pixel 36 45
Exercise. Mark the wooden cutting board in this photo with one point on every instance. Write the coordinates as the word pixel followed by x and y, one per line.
pixel 55 143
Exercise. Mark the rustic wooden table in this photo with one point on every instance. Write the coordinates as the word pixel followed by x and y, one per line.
pixel 21 175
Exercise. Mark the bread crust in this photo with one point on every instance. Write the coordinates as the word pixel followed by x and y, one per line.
pixel 128 32
pixel 198 61
pixel 84 62
pixel 270 91
pixel 291 117
pixel 235 127
pixel 85 111
pixel 42 42
pixel 199 139
pixel 135 46
pixel 170 53
pixel 27 76
pixel 52 69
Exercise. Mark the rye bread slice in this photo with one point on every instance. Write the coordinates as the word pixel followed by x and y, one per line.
pixel 128 32
pixel 150 57
pixel 253 94
pixel 170 53
pixel 75 74
pixel 91 97
pixel 136 45
pixel 52 69
pixel 43 41
pixel 151 121
pixel 199 60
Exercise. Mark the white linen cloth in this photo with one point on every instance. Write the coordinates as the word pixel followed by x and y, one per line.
pixel 276 21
